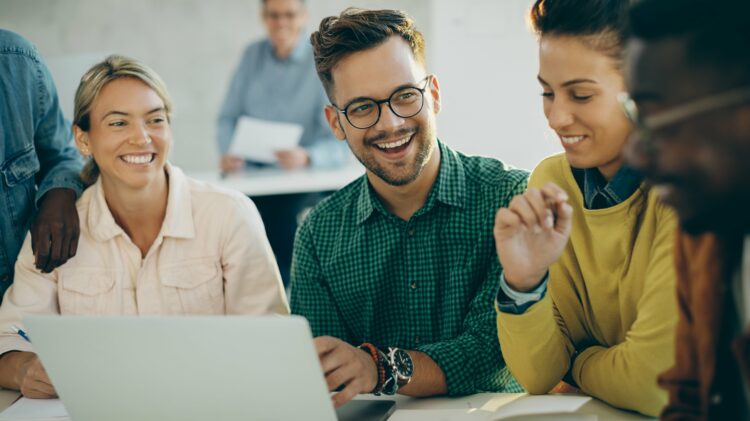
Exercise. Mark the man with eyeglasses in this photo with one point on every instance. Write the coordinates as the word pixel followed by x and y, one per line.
pixel 276 81
pixel 397 272
pixel 689 83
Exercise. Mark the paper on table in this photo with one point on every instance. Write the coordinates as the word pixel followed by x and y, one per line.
pixel 548 407
pixel 257 140
pixel 556 407
pixel 36 410
pixel 440 415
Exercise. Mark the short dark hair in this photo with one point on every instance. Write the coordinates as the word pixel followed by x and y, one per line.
pixel 602 24
pixel 356 30
pixel 717 31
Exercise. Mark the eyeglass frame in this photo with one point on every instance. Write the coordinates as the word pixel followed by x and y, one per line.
pixel 379 103
pixel 278 16
pixel 646 126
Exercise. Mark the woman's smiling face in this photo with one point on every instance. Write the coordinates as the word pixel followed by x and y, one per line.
pixel 129 135
pixel 581 85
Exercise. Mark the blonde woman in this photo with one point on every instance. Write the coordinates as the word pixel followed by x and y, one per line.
pixel 153 241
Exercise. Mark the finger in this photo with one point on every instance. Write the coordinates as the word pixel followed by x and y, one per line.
pixel 520 205
pixel 38 373
pixel 350 391
pixel 64 248
pixel 333 360
pixel 41 384
pixel 42 248
pixel 553 191
pixel 340 376
pixel 536 199
pixel 39 390
pixel 564 220
pixel 73 247
pixel 56 241
pixel 506 219
pixel 324 344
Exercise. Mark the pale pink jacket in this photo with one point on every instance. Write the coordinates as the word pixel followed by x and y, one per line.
pixel 211 257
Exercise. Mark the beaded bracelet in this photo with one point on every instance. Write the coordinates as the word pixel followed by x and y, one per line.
pixel 375 354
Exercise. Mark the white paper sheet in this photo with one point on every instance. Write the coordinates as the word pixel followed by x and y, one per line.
pixel 257 140
pixel 440 415
pixel 26 409
pixel 539 406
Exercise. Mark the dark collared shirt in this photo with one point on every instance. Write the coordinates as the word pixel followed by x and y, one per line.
pixel 428 284
pixel 600 194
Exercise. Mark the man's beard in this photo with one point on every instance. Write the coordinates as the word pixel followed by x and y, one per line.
pixel 420 139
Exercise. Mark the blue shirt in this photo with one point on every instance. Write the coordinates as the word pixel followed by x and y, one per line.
pixel 36 148
pixel 598 193
pixel 288 90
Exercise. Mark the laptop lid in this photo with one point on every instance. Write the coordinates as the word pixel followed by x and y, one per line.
pixel 182 368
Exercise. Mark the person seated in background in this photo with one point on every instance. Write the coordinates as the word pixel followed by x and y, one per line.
pixel 39 165
pixel 587 291
pixel 689 81
pixel 153 241
pixel 276 81
pixel 396 272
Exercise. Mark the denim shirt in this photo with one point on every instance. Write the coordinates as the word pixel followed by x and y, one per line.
pixel 36 148
pixel 284 90
pixel 598 193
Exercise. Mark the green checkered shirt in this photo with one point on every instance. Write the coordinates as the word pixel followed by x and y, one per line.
pixel 428 284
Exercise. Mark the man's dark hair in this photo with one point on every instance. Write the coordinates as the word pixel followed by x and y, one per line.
pixel 601 24
pixel 717 32
pixel 356 30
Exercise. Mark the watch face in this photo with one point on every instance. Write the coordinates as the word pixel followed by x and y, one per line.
pixel 404 365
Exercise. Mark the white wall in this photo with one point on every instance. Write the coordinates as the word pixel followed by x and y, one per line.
pixel 480 49
pixel 486 60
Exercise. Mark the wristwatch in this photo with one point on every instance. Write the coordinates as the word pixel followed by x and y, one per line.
pixel 402 366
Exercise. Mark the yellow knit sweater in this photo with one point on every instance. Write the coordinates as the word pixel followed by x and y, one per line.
pixel 611 297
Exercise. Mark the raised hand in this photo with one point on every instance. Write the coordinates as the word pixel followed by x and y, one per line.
pixel 530 234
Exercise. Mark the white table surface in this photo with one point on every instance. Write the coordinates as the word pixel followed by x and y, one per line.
pixel 486 401
pixel 270 181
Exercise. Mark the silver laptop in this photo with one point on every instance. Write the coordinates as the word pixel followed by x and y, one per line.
pixel 188 368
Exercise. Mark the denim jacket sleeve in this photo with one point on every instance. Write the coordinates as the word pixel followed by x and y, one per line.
pixel 59 161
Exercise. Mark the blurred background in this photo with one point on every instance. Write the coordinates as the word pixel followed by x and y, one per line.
pixel 481 50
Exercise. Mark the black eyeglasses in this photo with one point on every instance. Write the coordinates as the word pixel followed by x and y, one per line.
pixel 364 113
pixel 276 16
pixel 645 126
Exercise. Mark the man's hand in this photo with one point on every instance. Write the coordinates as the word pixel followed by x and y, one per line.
pixel 345 365
pixel 54 233
pixel 531 233
pixel 33 380
pixel 292 159
pixel 230 163
pixel 563 387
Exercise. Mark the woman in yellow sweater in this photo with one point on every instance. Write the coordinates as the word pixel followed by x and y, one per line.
pixel 587 294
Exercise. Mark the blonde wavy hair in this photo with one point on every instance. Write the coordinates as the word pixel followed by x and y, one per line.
pixel 95 79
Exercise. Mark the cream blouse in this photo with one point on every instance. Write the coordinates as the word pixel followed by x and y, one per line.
pixel 210 257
